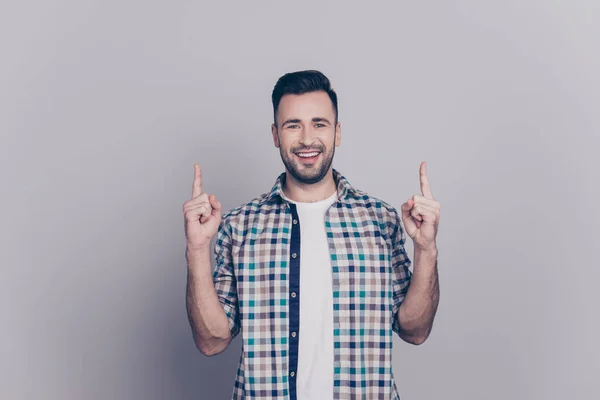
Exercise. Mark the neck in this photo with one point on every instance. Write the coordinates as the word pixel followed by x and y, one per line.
pixel 309 193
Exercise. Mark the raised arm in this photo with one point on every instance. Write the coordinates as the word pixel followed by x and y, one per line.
pixel 207 317
pixel 421 216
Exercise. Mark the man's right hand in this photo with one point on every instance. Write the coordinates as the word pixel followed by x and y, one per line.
pixel 202 215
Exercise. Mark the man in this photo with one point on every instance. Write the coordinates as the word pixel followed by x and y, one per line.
pixel 313 273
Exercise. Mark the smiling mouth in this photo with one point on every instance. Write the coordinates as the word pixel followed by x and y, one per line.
pixel 308 154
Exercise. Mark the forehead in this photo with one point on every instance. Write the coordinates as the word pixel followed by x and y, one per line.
pixel 305 106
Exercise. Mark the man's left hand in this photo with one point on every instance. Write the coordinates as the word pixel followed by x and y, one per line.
pixel 421 215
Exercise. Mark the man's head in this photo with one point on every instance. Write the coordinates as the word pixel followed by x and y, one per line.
pixel 305 120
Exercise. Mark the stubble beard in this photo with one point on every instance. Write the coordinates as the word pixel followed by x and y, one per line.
pixel 311 174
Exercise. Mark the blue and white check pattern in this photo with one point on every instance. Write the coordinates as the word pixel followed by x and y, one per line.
pixel 257 280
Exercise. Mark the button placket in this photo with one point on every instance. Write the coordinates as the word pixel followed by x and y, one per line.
pixel 294 297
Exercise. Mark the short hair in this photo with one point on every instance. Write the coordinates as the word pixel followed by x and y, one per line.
pixel 300 82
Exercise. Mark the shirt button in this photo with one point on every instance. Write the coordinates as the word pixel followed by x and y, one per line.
pixel 292 374
pixel 293 334
pixel 295 221
pixel 293 294
pixel 294 255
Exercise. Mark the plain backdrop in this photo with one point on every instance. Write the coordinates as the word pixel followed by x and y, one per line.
pixel 106 105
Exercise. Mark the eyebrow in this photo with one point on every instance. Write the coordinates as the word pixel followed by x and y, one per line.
pixel 291 121
pixel 320 119
pixel 297 121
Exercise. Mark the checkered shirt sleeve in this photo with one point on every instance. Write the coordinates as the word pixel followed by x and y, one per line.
pixel 400 267
pixel 224 279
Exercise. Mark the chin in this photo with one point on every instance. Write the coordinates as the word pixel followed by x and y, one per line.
pixel 302 175
pixel 307 174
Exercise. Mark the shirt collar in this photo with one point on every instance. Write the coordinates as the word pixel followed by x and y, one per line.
pixel 344 187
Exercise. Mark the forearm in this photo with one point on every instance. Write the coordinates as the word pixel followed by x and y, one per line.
pixel 207 318
pixel 419 306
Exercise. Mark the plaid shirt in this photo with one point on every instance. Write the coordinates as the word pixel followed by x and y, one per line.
pixel 257 280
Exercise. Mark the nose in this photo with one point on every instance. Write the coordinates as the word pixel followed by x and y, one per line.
pixel 308 137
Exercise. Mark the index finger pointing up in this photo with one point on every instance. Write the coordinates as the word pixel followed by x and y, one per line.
pixel 197 185
pixel 425 188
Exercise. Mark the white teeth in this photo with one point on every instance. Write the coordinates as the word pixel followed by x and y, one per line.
pixel 308 155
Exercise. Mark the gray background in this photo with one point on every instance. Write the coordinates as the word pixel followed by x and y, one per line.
pixel 106 105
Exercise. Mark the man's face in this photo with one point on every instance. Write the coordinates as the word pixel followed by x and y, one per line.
pixel 305 126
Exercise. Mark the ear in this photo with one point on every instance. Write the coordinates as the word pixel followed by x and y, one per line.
pixel 275 136
pixel 338 134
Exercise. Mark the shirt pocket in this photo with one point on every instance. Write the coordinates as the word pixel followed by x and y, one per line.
pixel 261 269
pixel 371 269
pixel 364 281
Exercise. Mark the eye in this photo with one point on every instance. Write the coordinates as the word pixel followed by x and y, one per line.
pixel 292 126
pixel 320 125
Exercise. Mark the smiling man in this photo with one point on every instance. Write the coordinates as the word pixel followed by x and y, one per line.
pixel 313 273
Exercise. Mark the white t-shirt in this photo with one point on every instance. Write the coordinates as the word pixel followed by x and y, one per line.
pixel 314 380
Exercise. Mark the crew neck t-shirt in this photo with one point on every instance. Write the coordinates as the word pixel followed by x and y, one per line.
pixel 315 336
